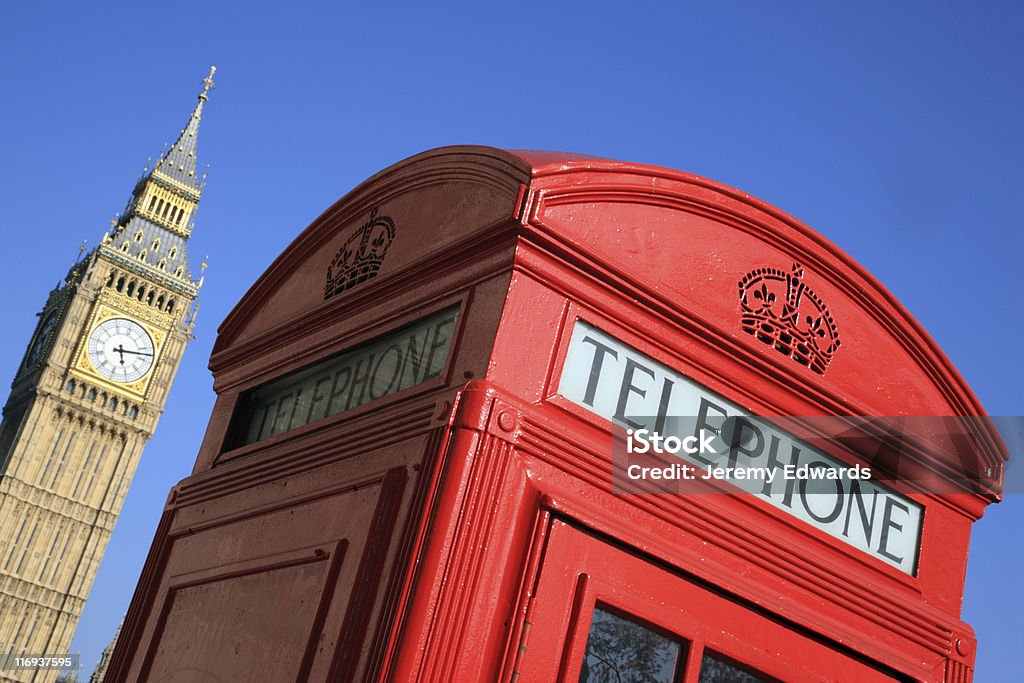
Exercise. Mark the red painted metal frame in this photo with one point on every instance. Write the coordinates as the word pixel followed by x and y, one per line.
pixel 581 572
pixel 475 508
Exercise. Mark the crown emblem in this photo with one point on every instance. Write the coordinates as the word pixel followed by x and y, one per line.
pixel 781 311
pixel 361 256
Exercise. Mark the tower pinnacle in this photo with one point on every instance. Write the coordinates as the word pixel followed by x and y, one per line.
pixel 207 83
pixel 178 164
pixel 153 231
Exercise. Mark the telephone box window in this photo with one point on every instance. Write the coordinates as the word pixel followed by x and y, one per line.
pixel 714 670
pixel 394 362
pixel 620 650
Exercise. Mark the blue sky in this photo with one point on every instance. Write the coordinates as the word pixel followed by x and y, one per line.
pixel 892 129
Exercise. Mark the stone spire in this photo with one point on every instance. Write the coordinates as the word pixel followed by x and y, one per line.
pixel 101 669
pixel 179 162
pixel 153 231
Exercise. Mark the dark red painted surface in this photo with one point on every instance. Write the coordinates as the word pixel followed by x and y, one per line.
pixel 465 529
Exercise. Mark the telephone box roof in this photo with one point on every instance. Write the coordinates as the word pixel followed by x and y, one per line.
pixel 685 245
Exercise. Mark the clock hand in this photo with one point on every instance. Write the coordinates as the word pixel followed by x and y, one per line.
pixel 120 351
pixel 137 353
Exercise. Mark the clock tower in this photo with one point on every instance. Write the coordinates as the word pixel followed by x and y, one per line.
pixel 86 398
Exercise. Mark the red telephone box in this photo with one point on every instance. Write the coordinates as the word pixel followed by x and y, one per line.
pixel 414 468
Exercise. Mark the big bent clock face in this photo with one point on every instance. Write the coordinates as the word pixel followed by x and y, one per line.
pixel 121 350
pixel 39 342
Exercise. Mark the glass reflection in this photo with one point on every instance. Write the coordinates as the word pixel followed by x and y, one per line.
pixel 714 670
pixel 620 651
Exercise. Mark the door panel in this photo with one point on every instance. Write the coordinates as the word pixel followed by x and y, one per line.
pixel 645 623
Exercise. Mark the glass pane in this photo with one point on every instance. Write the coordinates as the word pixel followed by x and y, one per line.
pixel 619 651
pixel 713 670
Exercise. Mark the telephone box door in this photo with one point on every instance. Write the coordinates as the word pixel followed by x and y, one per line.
pixel 603 613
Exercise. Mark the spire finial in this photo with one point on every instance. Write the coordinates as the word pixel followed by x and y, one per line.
pixel 202 278
pixel 207 83
pixel 73 273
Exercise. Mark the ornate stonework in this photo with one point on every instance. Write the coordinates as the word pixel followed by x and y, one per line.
pixel 76 420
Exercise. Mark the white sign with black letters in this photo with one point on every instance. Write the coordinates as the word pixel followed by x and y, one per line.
pixel 620 384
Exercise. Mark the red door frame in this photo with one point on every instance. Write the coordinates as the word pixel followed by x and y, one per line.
pixel 581 571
